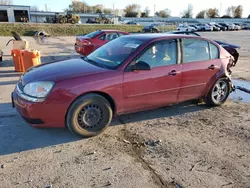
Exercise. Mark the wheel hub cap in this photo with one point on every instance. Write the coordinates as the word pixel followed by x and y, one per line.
pixel 90 116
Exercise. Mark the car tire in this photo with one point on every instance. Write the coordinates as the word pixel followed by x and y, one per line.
pixel 89 115
pixel 222 89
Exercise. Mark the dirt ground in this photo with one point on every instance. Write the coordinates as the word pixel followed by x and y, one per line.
pixel 187 145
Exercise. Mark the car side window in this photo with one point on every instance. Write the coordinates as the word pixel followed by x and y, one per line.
pixel 109 36
pixel 160 54
pixel 121 34
pixel 214 51
pixel 195 50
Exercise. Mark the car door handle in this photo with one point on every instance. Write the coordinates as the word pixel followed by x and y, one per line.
pixel 173 73
pixel 212 67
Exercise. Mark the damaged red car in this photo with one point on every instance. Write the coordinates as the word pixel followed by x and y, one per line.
pixel 86 44
pixel 129 74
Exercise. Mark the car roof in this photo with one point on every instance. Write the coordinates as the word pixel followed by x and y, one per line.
pixel 110 30
pixel 159 36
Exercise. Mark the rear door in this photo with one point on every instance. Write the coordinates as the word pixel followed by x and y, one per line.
pixel 200 63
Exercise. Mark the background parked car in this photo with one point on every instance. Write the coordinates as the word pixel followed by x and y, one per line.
pixel 132 23
pixel 215 28
pixel 237 26
pixel 225 25
pixel 86 44
pixel 151 29
pixel 186 28
pixel 205 27
pixel 222 28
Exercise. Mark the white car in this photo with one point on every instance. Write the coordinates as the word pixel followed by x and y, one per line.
pixel 205 27
pixel 186 28
pixel 237 27
pixel 231 26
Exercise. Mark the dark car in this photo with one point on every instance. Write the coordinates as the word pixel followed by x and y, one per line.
pixel 222 28
pixel 231 48
pixel 151 29
pixel 86 44
pixel 132 23
pixel 225 25
pixel 129 74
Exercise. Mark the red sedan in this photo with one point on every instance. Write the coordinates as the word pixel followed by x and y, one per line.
pixel 129 74
pixel 86 44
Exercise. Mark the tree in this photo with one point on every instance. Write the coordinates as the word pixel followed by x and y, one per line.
pixel 213 13
pixel 107 11
pixel 201 14
pixel 230 11
pixel 248 16
pixel 98 11
pixel 6 2
pixel 132 10
pixel 146 13
pixel 188 13
pixel 163 13
pixel 238 11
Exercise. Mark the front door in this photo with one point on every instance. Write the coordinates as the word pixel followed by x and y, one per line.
pixel 200 63
pixel 159 86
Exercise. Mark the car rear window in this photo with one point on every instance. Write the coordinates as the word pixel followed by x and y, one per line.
pixel 93 34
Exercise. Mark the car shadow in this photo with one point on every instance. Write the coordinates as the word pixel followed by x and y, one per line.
pixel 17 136
pixel 164 112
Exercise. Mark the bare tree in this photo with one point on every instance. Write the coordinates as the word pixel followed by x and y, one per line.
pixel 6 2
pixel 188 13
pixel 201 14
pixel 230 11
pixel 132 10
pixel 164 13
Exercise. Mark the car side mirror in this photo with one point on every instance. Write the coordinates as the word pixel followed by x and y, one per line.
pixel 141 65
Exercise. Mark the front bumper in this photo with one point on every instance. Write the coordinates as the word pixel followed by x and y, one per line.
pixel 38 114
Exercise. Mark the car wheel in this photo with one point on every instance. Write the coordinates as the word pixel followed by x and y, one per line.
pixel 89 115
pixel 219 93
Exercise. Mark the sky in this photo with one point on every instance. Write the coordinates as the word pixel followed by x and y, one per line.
pixel 176 6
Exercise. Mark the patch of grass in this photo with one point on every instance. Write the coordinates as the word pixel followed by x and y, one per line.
pixel 29 29
pixel 165 28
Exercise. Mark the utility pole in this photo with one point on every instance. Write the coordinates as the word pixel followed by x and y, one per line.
pixel 220 8
pixel 154 9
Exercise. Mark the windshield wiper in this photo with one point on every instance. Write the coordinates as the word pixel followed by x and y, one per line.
pixel 94 62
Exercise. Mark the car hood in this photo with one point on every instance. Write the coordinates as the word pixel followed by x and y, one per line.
pixel 61 70
pixel 225 44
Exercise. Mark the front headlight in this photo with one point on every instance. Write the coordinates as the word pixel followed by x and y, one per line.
pixel 38 89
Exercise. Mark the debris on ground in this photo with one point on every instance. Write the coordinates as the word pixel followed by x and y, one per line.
pixel 126 141
pixel 49 186
pixel 2 166
pixel 92 153
pixel 108 184
pixel 107 169
pixel 153 143
pixel 41 34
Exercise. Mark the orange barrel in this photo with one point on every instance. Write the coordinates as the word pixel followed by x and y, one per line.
pixel 18 60
pixel 31 58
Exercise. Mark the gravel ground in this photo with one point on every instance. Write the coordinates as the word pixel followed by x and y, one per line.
pixel 187 145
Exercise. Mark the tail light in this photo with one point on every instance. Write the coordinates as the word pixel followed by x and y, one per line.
pixel 85 42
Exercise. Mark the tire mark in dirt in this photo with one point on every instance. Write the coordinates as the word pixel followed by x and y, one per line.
pixel 137 151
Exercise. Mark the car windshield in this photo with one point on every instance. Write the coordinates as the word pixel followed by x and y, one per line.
pixel 114 53
pixel 93 34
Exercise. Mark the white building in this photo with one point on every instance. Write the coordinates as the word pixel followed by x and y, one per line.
pixel 14 13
